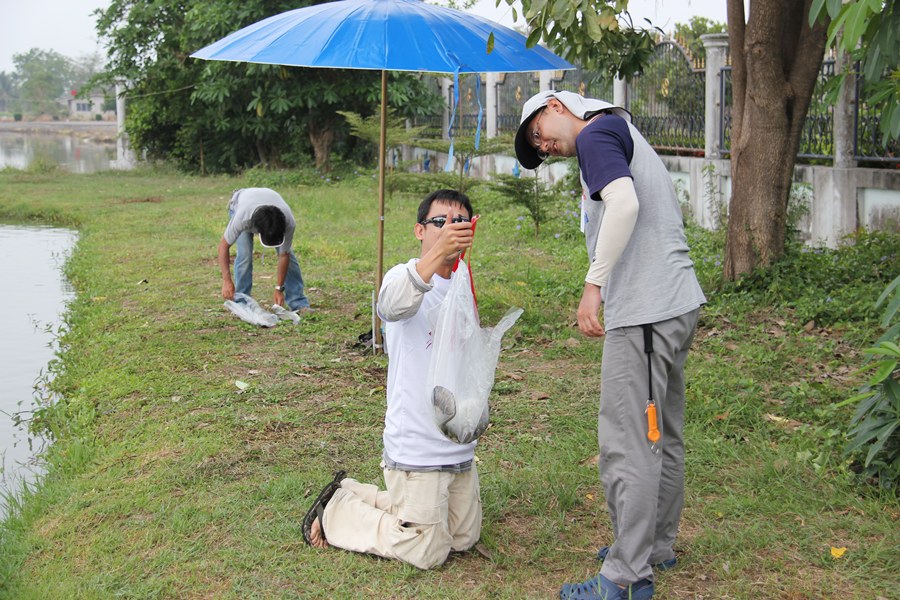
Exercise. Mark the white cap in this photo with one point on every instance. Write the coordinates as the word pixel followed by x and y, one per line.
pixel 578 105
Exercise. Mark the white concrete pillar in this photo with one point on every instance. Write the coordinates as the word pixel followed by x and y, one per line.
pixel 446 84
pixel 620 93
pixel 844 115
pixel 125 158
pixel 545 81
pixel 492 109
pixel 716 45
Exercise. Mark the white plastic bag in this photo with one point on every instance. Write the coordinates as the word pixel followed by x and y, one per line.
pixel 284 314
pixel 463 360
pixel 248 310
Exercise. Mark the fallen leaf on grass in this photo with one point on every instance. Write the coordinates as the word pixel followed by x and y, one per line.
pixel 241 385
pixel 591 461
pixel 837 552
pixel 482 550
pixel 540 396
pixel 782 421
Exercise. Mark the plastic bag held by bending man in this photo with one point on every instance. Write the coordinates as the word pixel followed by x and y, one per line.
pixel 460 388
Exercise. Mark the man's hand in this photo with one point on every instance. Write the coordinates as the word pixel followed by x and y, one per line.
pixel 589 310
pixel 455 237
pixel 279 298
pixel 228 289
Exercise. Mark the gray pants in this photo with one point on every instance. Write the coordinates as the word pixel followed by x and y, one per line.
pixel 644 489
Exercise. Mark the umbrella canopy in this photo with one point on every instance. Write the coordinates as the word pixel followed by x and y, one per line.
pixel 385 35
pixel 393 35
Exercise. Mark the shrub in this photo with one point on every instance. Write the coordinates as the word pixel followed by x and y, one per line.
pixel 874 430
pixel 826 285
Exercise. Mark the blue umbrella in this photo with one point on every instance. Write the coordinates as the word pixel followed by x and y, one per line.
pixel 393 35
pixel 385 35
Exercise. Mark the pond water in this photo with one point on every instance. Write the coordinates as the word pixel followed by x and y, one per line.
pixel 70 152
pixel 34 298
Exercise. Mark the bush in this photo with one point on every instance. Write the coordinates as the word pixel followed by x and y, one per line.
pixel 422 184
pixel 826 285
pixel 875 427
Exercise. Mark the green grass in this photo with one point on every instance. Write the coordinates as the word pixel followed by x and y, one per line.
pixel 167 481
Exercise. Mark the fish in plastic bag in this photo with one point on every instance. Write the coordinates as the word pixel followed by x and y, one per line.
pixel 463 361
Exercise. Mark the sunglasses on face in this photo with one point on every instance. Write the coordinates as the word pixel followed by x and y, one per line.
pixel 439 221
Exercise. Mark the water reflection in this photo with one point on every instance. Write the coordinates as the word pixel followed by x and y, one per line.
pixel 71 153
pixel 34 298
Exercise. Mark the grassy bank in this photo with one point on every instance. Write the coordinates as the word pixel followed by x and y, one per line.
pixel 168 481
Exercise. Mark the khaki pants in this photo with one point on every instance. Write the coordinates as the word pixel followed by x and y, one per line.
pixel 419 519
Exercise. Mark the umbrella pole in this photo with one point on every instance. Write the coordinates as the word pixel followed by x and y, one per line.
pixel 377 344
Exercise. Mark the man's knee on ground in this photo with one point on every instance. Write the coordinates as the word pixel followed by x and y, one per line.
pixel 423 546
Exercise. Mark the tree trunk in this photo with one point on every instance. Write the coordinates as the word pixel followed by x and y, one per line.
pixel 776 58
pixel 321 134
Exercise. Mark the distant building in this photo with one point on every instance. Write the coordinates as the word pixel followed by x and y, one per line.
pixel 87 109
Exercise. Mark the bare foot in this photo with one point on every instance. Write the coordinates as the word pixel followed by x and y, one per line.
pixel 316 536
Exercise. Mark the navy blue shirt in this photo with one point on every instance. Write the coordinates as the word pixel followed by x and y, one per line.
pixel 605 150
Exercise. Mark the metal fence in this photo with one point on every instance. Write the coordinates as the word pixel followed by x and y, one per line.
pixel 817 136
pixel 513 89
pixel 667 102
pixel 867 144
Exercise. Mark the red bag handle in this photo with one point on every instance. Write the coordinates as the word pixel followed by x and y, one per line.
pixel 462 255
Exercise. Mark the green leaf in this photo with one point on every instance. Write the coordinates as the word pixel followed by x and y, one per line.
pixel 593 28
pixel 490 43
pixel 892 333
pixel 533 38
pixel 814 11
pixel 857 19
pixel 559 9
pixel 834 7
pixel 882 349
pixel 835 28
pixel 885 368
pixel 895 123
pixel 882 437
pixel 855 399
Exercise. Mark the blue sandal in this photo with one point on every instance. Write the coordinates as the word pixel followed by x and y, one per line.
pixel 662 566
pixel 601 588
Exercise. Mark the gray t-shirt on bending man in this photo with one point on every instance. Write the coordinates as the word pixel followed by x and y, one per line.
pixel 654 280
pixel 247 200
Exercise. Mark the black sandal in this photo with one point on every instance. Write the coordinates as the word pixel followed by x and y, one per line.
pixel 318 507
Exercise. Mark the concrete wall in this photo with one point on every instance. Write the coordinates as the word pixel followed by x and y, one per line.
pixel 840 200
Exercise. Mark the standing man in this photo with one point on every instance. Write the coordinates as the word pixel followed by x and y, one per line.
pixel 264 212
pixel 432 504
pixel 641 272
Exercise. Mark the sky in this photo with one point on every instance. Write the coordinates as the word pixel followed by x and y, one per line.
pixel 67 26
